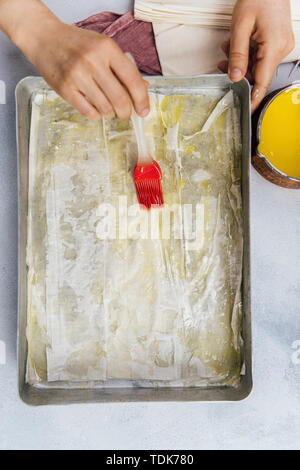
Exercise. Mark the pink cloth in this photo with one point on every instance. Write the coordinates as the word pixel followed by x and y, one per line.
pixel 131 35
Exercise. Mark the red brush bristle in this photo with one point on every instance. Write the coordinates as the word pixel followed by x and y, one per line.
pixel 148 185
pixel 149 193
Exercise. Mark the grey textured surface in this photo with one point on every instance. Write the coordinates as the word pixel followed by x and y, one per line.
pixel 269 418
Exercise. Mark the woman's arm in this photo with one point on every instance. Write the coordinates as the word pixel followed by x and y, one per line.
pixel 261 36
pixel 87 69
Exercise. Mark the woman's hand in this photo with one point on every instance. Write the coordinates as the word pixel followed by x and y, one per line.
pixel 261 36
pixel 87 69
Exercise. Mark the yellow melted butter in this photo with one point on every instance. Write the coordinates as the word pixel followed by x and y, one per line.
pixel 280 132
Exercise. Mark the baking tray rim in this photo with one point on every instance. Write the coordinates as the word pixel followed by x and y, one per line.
pixel 36 396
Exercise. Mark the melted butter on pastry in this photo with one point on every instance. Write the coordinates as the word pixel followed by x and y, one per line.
pixel 152 311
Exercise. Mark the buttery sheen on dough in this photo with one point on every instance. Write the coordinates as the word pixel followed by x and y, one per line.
pixel 152 310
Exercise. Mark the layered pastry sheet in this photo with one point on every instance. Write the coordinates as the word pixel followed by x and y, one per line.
pixel 120 295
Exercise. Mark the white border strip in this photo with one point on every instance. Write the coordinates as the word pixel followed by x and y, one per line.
pixel 2 92
pixel 2 353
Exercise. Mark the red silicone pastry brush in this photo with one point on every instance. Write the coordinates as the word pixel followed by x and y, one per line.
pixel 147 174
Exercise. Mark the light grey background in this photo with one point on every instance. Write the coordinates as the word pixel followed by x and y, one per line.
pixel 269 418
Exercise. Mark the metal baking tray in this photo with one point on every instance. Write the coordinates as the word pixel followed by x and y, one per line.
pixel 47 394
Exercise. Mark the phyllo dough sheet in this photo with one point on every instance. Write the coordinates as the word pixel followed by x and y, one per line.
pixel 116 293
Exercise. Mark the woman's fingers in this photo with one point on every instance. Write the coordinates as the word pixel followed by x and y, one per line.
pixel 90 89
pixel 264 70
pixel 120 82
pixel 261 74
pixel 116 93
pixel 261 35
pixel 239 47
pixel 81 103
pixel 223 66
pixel 130 77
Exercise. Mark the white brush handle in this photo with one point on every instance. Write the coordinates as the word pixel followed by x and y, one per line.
pixel 144 157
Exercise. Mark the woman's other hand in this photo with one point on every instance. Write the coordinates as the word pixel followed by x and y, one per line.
pixel 261 36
